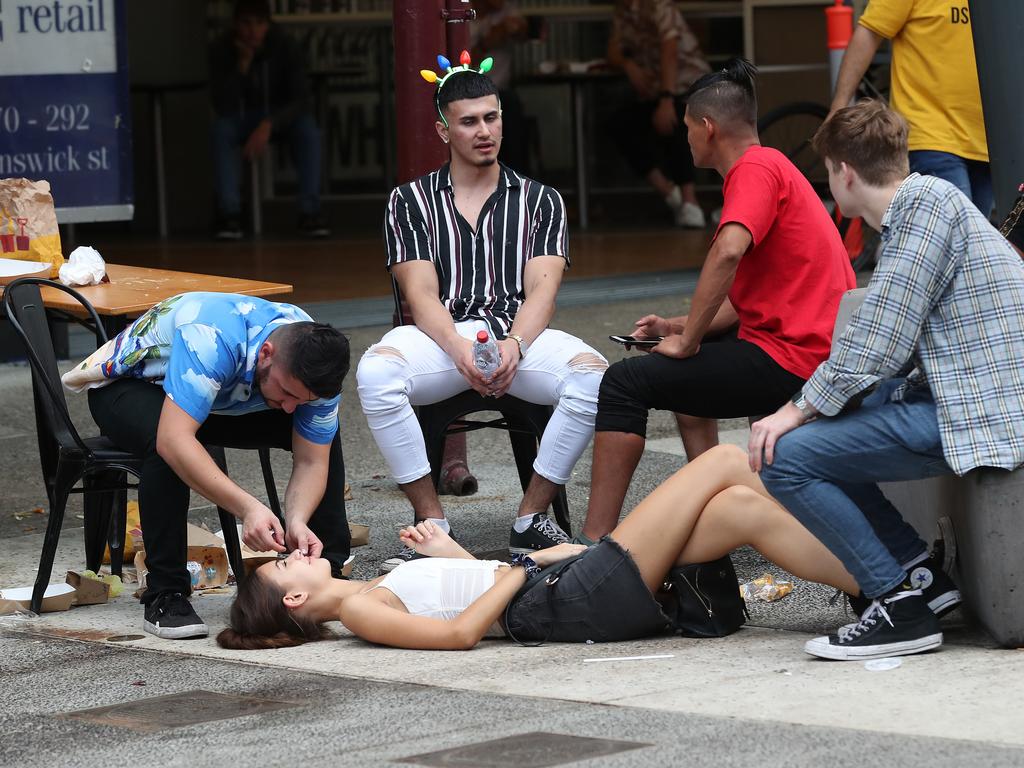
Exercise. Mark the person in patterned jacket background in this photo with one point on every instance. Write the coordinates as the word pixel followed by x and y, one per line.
pixel 233 371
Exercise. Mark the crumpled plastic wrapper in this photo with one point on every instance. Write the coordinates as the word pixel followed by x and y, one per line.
pixel 766 589
pixel 85 266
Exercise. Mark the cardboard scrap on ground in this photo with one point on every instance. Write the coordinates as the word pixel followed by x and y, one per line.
pixel 360 534
pixel 206 560
pixel 57 597
pixel 88 591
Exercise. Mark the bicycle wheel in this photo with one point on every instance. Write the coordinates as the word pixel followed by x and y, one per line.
pixel 789 129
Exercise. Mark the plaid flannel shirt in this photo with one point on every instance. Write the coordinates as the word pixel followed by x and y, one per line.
pixel 946 303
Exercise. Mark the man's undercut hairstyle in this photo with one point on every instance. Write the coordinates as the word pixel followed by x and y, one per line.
pixel 256 9
pixel 726 96
pixel 870 138
pixel 315 353
pixel 465 85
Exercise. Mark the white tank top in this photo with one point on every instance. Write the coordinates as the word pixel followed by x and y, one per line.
pixel 440 587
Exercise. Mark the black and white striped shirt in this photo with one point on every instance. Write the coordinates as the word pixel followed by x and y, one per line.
pixel 479 273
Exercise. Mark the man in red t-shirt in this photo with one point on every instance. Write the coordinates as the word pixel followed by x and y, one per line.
pixel 761 317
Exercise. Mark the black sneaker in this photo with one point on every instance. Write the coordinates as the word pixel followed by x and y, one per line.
pixel 896 624
pixel 313 225
pixel 541 534
pixel 171 617
pixel 938 589
pixel 227 228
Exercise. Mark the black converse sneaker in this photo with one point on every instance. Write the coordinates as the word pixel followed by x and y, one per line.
pixel 938 589
pixel 896 624
pixel 405 555
pixel 171 617
pixel 542 533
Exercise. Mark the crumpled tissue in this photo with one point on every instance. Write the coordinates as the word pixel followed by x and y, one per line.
pixel 85 266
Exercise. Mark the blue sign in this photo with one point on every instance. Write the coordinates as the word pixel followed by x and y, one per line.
pixel 65 113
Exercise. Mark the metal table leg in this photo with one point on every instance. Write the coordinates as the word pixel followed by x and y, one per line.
pixel 161 180
pixel 579 140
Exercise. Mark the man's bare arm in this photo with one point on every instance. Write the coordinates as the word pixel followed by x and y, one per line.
pixel 715 281
pixel 856 60
pixel 176 443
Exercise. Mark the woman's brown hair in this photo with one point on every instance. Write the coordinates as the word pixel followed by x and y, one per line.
pixel 259 619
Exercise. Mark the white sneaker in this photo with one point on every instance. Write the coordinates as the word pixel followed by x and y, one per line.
pixel 685 214
pixel 690 216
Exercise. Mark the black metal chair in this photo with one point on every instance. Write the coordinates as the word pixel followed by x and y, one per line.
pixel 67 458
pixel 525 423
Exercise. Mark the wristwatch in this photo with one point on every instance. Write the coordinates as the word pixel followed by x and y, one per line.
pixel 805 408
pixel 527 563
pixel 519 343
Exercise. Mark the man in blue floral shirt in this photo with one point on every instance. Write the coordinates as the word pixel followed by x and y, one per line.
pixel 234 371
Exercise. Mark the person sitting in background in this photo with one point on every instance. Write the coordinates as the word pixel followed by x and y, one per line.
pixel 651 42
pixel 260 92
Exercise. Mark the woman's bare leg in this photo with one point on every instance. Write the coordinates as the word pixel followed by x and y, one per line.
pixel 739 516
pixel 657 530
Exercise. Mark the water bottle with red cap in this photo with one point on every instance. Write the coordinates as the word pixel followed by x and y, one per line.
pixel 486 355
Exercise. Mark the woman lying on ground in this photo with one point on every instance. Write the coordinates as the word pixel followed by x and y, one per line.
pixel 450 600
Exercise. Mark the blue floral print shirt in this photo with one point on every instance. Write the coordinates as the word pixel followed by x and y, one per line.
pixel 202 348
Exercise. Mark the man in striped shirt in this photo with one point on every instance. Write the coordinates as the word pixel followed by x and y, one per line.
pixel 475 246
pixel 946 305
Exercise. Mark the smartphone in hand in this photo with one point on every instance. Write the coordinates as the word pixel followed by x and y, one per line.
pixel 651 341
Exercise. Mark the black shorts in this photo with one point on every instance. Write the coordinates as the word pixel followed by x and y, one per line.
pixel 599 597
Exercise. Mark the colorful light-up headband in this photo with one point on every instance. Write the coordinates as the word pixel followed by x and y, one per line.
pixel 447 70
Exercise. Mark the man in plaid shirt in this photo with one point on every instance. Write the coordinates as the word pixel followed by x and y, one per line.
pixel 927 379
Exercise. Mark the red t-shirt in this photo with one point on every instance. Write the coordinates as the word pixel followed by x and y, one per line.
pixel 788 284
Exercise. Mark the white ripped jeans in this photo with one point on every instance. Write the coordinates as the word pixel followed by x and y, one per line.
pixel 408 368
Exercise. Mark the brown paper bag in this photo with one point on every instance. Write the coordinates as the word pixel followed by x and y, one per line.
pixel 28 223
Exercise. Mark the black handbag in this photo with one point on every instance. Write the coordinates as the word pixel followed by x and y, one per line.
pixel 703 599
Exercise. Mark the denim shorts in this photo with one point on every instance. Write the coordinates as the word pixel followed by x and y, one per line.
pixel 599 597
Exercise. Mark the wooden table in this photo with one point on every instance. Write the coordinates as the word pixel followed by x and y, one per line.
pixel 133 290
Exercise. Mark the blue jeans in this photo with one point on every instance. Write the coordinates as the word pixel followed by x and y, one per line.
pixel 826 473
pixel 972 177
pixel 228 135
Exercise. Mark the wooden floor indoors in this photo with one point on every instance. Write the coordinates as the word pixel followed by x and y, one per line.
pixel 335 269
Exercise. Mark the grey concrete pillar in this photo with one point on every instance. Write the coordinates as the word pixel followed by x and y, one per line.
pixel 998 30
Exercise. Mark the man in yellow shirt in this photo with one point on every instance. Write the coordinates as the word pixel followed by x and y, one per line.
pixel 934 86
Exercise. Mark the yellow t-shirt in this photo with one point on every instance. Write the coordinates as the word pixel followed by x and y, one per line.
pixel 934 75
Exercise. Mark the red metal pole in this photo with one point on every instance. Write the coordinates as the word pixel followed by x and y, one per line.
pixel 419 35
pixel 459 15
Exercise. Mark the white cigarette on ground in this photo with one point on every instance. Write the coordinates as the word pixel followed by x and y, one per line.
pixel 633 658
